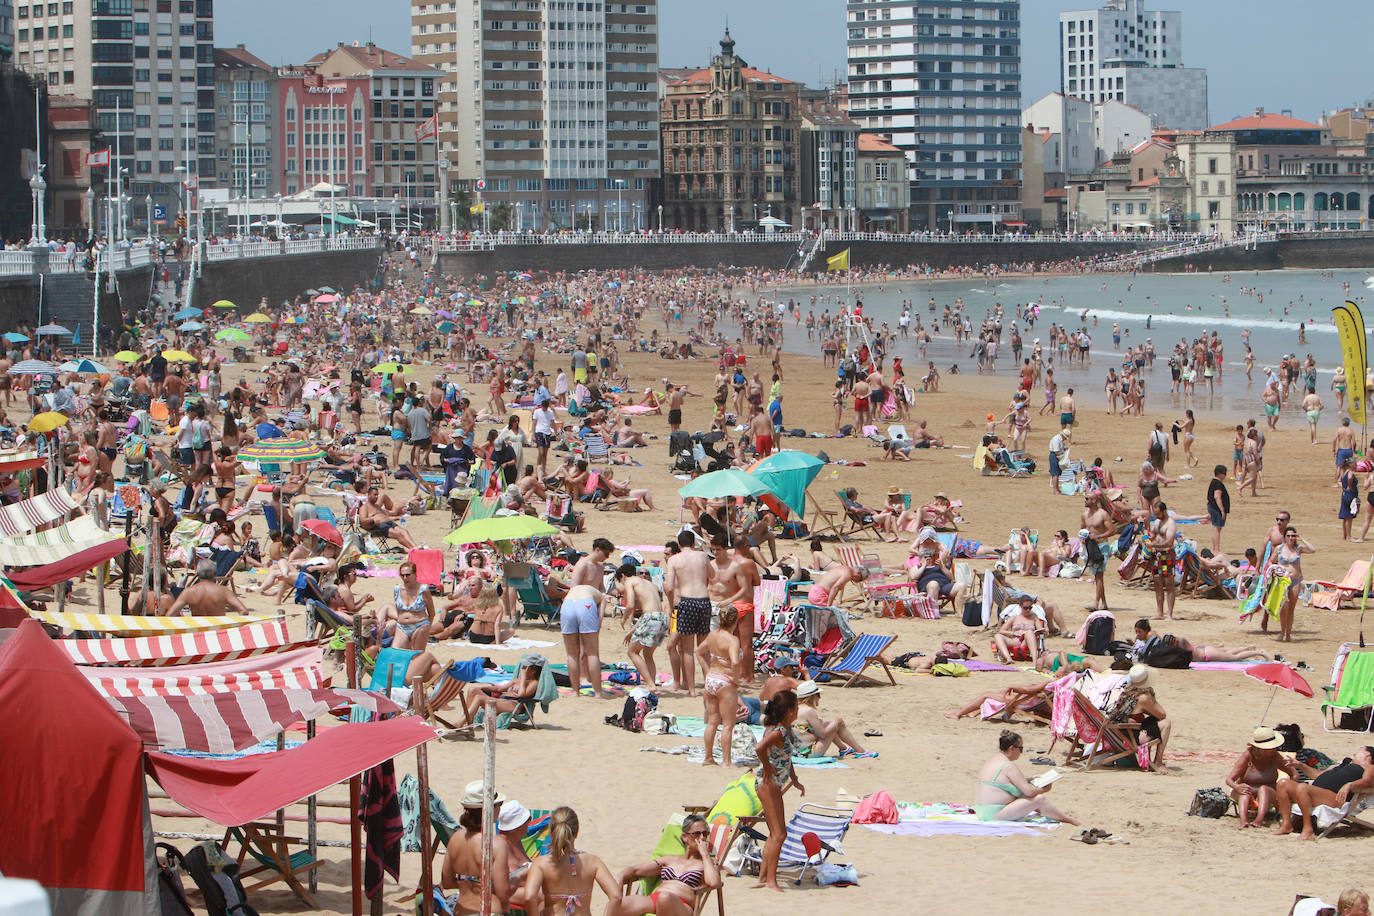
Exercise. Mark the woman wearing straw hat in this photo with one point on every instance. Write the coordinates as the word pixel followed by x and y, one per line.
pixel 1253 781
pixel 462 867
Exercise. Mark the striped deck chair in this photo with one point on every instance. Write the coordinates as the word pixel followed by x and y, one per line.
pixel 1349 700
pixel 865 651
pixel 814 832
pixel 769 596
pixel 1097 742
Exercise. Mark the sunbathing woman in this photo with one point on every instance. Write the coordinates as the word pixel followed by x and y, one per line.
pixel 1003 794
pixel 506 696
pixel 1332 788
pixel 1020 632
pixel 1253 781
pixel 680 877
pixel 816 734
pixel 1216 653
pixel 565 875
pixel 1031 698
pixel 641 496
pixel 462 867
pixel 1043 560
pixel 487 615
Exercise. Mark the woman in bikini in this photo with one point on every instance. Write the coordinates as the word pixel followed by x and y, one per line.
pixel 462 868
pixel 1253 781
pixel 412 613
pixel 565 875
pixel 1021 631
pixel 719 656
pixel 680 877
pixel 226 468
pixel 1003 794
pixel 1289 556
pixel 507 696
pixel 774 777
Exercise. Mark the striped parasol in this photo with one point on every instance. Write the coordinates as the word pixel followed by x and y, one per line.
pixel 280 451
pixel 33 367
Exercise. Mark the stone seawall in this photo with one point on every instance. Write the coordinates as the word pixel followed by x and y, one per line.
pixel 1310 253
pixel 774 255
pixel 282 277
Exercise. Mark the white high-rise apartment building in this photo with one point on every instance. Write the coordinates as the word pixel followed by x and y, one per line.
pixel 149 67
pixel 551 104
pixel 1126 53
pixel 941 81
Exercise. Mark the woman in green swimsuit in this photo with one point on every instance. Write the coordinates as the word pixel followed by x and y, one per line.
pixel 1003 794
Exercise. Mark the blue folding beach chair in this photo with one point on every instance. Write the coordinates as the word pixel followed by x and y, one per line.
pixel 864 651
pixel 813 833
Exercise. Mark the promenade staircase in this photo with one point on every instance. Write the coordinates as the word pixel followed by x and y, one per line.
pixel 1135 260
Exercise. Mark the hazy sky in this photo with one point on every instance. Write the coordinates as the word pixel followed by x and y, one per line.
pixel 1257 52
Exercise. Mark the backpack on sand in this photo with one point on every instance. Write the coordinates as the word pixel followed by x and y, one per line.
pixel 217 876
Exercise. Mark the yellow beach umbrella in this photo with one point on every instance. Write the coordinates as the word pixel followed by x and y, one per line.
pixel 420 310
pixel 223 304
pixel 178 356
pixel 127 356
pixel 48 421
pixel 258 318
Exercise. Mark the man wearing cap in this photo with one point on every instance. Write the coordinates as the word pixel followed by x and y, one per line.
pixel 1059 453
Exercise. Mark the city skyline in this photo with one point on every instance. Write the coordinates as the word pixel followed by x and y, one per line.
pixel 1256 66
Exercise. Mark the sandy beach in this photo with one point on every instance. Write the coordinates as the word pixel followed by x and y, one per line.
pixel 1170 862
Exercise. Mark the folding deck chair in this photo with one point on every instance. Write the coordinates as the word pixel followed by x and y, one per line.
pixel 1097 742
pixel 535 602
pixel 1351 814
pixel 865 650
pixel 271 850
pixel 823 521
pixel 855 522
pixel 814 832
pixel 720 842
pixel 1349 703
pixel 1335 594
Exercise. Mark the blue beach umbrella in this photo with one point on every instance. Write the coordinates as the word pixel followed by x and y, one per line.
pixel 186 313
pixel 16 337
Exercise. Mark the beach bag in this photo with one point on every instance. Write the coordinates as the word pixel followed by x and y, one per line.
pixel 1212 803
pixel 829 874
pixel 1098 640
pixel 171 894
pixel 973 612
pixel 1165 652
pixel 217 876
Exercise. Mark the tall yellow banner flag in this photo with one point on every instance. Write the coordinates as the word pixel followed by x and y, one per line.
pixel 1350 325
pixel 838 262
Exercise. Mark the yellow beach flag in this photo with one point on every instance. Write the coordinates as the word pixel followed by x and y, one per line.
pixel 838 262
pixel 477 208
pixel 1350 324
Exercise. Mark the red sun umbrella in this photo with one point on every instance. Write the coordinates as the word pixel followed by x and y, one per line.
pixel 1278 675
pixel 320 528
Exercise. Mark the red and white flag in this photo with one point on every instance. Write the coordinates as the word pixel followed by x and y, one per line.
pixel 98 157
pixel 191 183
pixel 428 129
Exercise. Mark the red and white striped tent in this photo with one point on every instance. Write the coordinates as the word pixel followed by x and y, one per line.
pixel 295 669
pixel 184 648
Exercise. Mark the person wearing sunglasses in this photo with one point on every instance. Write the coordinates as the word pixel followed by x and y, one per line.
pixel 1289 556
pixel 681 878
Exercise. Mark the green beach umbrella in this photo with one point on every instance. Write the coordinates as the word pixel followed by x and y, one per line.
pixel 233 334
pixel 787 474
pixel 387 368
pixel 500 528
pixel 729 482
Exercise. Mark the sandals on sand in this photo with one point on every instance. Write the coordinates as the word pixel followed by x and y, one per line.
pixel 1091 836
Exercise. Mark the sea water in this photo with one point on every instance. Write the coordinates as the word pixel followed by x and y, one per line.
pixel 1162 308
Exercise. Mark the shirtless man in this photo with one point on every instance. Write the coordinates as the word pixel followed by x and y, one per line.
pixel 686 577
pixel 531 486
pixel 676 395
pixel 730 582
pixel 1097 521
pixel 203 598
pixel 643 608
pixel 375 517
pixel 1161 561
pixel 1068 408
pixel 761 429
pixel 1343 445
pixel 861 392
pixel 924 438
pixel 174 389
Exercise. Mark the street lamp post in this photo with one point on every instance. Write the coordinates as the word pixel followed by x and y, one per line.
pixel 148 202
pixel 395 206
pixel 90 214
pixel 619 205
pixel 660 219
pixel 37 186
pixel 281 224
pixel 445 225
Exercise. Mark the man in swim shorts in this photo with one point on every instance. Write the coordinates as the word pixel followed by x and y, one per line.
pixel 686 579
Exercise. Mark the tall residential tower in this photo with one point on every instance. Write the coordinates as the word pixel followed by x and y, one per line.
pixel 941 81
pixel 551 104
pixel 1126 53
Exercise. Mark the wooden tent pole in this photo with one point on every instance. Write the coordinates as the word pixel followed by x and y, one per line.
pixel 488 805
pixel 417 686
pixel 355 791
pixel 312 827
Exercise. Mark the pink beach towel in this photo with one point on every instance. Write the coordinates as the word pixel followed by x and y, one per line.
pixel 429 566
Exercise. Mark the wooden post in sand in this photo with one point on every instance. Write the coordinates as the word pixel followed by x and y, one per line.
pixel 355 791
pixel 488 804
pixel 417 686
pixel 128 561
